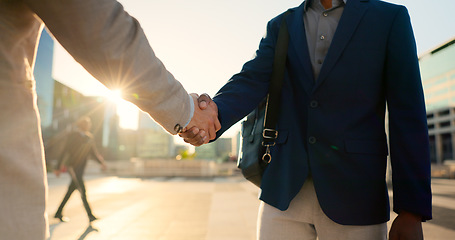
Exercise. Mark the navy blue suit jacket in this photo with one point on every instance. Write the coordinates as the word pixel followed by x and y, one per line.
pixel 334 127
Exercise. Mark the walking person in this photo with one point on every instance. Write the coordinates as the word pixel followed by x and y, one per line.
pixel 79 147
pixel 347 61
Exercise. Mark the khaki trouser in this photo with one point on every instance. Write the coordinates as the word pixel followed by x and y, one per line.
pixel 305 220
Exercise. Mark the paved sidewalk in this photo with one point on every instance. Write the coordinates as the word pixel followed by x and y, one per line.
pixel 188 209
pixel 158 209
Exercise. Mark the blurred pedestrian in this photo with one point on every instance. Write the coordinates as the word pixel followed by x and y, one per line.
pixel 78 148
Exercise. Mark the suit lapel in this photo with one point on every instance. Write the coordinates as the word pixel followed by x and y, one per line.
pixel 298 41
pixel 352 15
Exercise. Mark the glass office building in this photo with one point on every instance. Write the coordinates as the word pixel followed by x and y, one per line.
pixel 43 78
pixel 438 77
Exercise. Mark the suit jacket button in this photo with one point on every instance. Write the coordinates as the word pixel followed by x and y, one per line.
pixel 314 104
pixel 312 140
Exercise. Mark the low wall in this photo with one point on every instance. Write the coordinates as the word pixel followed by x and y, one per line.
pixel 137 167
pixel 446 170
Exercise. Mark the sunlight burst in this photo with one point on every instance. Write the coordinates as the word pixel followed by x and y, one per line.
pixel 128 113
pixel 115 96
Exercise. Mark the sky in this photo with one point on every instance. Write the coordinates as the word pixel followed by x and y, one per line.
pixel 204 42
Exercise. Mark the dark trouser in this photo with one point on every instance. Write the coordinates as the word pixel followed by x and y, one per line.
pixel 76 183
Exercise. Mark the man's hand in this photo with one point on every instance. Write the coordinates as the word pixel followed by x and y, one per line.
pixel 194 135
pixel 407 226
pixel 204 123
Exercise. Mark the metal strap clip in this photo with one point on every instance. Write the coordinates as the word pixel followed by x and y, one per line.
pixel 267 157
pixel 270 133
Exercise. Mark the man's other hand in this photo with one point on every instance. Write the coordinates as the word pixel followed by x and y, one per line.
pixel 406 226
pixel 194 136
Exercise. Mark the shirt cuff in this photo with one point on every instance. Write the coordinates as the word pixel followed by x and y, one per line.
pixel 191 111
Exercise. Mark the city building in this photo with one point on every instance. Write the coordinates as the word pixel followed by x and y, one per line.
pixel 219 150
pixel 43 78
pixel 153 141
pixel 438 77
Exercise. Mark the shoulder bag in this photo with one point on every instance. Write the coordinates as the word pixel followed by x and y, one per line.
pixel 259 129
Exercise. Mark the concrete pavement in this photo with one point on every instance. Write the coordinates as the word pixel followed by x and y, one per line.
pixel 188 209
pixel 158 208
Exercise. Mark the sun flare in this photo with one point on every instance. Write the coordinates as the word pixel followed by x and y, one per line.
pixel 115 96
pixel 127 112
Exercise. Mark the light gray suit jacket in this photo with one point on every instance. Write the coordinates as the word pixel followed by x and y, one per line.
pixel 111 45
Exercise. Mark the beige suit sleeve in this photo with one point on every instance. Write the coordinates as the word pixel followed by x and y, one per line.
pixel 112 46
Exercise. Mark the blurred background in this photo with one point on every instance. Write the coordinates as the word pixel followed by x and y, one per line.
pixel 158 187
pixel 203 43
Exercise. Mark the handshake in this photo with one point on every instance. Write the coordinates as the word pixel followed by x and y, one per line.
pixel 204 124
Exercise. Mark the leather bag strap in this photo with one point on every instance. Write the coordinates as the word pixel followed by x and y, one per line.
pixel 270 134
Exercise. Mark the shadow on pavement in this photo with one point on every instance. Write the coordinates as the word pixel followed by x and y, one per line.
pixel 89 229
pixel 443 217
pixel 52 228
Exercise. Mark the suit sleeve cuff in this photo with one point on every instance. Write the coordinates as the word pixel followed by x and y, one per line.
pixel 191 111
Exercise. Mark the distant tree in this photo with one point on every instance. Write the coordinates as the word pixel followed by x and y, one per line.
pixel 185 155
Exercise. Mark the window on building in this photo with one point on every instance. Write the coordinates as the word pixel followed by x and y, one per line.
pixel 444 113
pixel 445 124
pixel 58 103
pixel 433 149
pixel 447 146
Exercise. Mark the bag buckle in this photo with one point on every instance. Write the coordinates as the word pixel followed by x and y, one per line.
pixel 270 133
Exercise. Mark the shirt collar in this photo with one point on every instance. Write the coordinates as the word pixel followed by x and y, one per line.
pixel 308 3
